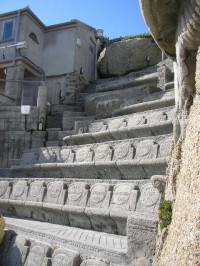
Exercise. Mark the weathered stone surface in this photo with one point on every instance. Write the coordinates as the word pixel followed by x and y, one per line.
pixel 123 57
pixel 18 251
pixel 92 262
pixel 39 254
pixel 64 257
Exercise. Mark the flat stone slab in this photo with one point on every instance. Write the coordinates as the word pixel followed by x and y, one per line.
pixel 87 243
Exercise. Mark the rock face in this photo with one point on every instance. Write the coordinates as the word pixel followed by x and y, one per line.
pixel 127 56
pixel 175 27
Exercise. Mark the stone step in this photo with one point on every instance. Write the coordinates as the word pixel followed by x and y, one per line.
pixel 169 85
pixel 128 77
pixel 104 104
pixel 73 114
pixel 149 123
pixel 166 99
pixel 59 109
pixel 52 143
pixel 58 211
pixel 53 134
pixel 54 121
pixel 132 159
pixel 129 83
pixel 83 243
pixel 68 123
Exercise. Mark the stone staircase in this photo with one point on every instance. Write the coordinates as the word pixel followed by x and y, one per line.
pixel 95 199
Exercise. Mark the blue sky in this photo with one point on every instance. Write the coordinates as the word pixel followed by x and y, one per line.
pixel 116 17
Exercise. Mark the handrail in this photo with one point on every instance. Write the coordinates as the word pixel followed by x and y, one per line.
pixel 7 97
pixel 22 81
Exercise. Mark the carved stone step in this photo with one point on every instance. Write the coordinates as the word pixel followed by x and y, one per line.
pixel 113 208
pixel 85 243
pixel 130 159
pixel 150 123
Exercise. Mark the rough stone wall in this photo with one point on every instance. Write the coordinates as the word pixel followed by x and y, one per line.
pixel 182 244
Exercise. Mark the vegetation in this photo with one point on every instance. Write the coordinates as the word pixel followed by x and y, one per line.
pixel 165 215
pixel 143 35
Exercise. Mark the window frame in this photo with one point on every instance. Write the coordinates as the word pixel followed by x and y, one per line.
pixel 10 37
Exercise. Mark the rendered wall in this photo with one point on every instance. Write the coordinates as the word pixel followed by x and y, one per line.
pixel 34 50
pixel 86 52
pixel 58 51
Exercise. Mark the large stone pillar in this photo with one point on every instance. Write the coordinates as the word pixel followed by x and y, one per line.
pixel 14 86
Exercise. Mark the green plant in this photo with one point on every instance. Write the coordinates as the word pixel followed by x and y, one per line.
pixel 165 214
pixel 143 35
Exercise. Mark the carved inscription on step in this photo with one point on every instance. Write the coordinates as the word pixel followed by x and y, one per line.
pixel 116 124
pixel 121 194
pixel 121 150
pixel 149 196
pixel 64 155
pixel 46 156
pixel 96 127
pixel 54 191
pixel 82 154
pixel 18 189
pixel 101 152
pixel 75 192
pixel 98 193
pixel 136 120
pixel 144 150
pixel 61 260
pixel 35 190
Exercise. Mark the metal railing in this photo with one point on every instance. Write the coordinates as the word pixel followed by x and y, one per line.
pixel 23 92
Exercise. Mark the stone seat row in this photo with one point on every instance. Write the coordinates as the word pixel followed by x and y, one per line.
pixel 132 159
pixel 20 250
pixel 101 206
pixel 144 124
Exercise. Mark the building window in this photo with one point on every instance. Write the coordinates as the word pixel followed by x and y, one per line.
pixel 33 37
pixel 8 31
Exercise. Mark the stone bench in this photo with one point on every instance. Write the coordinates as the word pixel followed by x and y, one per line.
pixel 20 250
pixel 98 206
pixel 131 126
pixel 132 159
